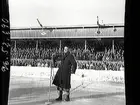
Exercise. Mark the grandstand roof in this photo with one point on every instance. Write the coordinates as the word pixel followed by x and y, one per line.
pixel 67 32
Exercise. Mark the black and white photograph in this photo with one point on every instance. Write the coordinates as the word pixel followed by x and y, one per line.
pixel 67 52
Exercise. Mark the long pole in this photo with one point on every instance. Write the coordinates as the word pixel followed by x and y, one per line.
pixel 36 44
pixel 85 45
pixel 113 46
pixel 50 78
pixel 50 84
pixel 60 45
pixel 15 46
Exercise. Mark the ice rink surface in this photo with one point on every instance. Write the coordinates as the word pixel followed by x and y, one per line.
pixel 35 91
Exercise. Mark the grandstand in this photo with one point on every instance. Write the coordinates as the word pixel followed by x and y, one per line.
pixel 92 50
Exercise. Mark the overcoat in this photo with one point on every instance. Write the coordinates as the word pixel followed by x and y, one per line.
pixel 63 75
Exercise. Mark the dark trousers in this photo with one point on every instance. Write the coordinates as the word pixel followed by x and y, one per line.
pixel 66 91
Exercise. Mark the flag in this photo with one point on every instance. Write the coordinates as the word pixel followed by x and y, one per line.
pixel 39 23
pixel 98 21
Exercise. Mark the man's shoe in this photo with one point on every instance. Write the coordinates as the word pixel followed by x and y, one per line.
pixel 59 98
pixel 67 98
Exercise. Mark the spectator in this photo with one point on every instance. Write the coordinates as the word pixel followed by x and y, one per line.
pixel 38 64
pixel 121 68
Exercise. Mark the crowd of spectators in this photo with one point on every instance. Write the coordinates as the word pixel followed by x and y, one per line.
pixel 31 53
pixel 28 60
pixel 99 65
pixel 80 54
pixel 93 65
pixel 86 59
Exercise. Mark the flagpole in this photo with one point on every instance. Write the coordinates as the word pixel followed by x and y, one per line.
pixel 50 82
pixel 50 79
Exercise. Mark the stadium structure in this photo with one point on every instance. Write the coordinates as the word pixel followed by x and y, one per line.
pixel 86 37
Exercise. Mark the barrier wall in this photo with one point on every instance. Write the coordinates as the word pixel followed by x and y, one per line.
pixel 86 75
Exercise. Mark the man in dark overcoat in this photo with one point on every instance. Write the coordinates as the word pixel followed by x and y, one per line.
pixel 62 78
